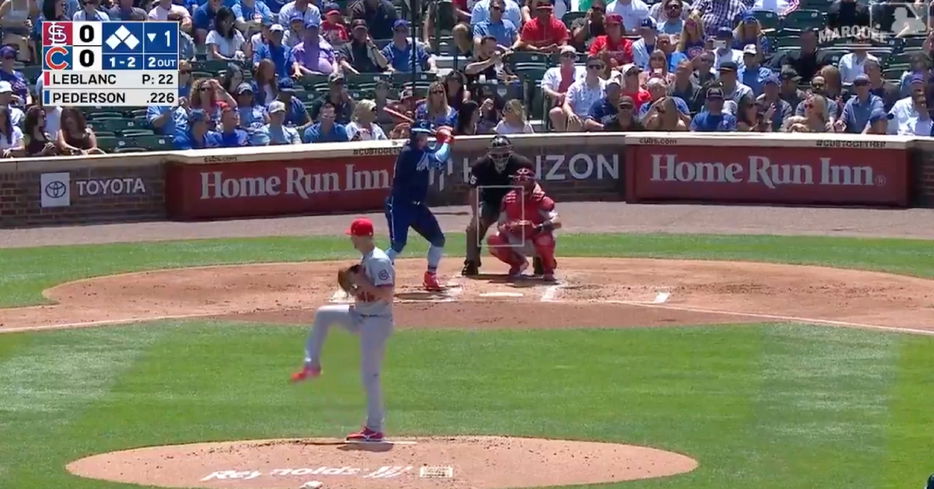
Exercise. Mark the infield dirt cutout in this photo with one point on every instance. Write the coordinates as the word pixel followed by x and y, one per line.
pixel 592 292
pixel 468 462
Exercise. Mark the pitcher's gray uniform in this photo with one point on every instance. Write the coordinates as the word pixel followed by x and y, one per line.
pixel 372 321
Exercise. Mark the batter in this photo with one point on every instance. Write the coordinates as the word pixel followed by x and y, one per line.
pixel 370 317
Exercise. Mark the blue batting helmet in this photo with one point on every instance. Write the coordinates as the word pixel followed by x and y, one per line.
pixel 423 127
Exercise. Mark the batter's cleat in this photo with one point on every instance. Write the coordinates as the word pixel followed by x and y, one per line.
pixel 430 282
pixel 305 373
pixel 537 268
pixel 549 277
pixel 471 269
pixel 515 271
pixel 366 435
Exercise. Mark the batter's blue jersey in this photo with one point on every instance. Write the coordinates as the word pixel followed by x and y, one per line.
pixel 410 181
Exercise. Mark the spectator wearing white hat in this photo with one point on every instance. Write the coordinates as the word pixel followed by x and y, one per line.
pixel 363 127
pixel 557 80
pixel 277 132
pixel 752 74
pixel 6 100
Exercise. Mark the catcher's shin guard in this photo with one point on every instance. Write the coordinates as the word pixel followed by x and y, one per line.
pixel 499 247
pixel 544 244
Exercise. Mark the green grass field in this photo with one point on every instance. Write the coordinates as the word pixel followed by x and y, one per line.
pixel 759 406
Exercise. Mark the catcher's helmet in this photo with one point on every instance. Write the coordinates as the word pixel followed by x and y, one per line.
pixel 500 148
pixel 500 143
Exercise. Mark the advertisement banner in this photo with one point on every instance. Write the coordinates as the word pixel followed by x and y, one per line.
pixel 312 185
pixel 775 175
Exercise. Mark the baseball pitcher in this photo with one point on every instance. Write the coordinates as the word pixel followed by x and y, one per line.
pixel 527 221
pixel 490 178
pixel 406 206
pixel 371 284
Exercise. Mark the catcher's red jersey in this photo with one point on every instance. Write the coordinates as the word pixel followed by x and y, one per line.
pixel 536 206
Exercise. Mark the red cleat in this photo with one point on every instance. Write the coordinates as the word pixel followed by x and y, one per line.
pixel 305 373
pixel 366 435
pixel 431 282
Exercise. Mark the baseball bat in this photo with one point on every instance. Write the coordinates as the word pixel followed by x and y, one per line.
pixel 399 115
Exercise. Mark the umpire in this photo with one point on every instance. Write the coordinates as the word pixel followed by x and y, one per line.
pixel 491 175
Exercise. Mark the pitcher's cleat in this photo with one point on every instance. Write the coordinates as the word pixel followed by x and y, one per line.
pixel 366 435
pixel 305 373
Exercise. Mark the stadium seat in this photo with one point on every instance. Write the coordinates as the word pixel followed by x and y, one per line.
pixel 130 149
pixel 97 115
pixel 821 5
pixel 768 19
pixel 788 41
pixel 913 41
pixel 893 74
pixel 32 73
pixel 150 142
pixel 136 132
pixel 107 143
pixel 799 20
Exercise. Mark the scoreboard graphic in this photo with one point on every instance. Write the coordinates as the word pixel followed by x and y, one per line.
pixel 110 64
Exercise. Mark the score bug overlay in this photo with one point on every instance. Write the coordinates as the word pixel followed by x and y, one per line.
pixel 131 64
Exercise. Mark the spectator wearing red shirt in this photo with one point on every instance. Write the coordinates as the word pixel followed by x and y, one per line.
pixel 332 28
pixel 632 88
pixel 544 33
pixel 612 47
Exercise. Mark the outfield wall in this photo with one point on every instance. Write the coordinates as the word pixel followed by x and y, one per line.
pixel 796 169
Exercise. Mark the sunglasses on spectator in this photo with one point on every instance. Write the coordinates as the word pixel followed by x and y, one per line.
pixel 496 7
pixel 817 85
pixel 625 107
pixel 595 67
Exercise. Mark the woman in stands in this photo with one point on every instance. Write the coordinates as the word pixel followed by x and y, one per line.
pixel 833 90
pixel 815 117
pixel 207 95
pixel 751 117
pixel 264 82
pixel 691 41
pixel 225 41
pixel 749 31
pixel 467 119
pixel 435 108
pixel 514 121
pixel 363 127
pixel 75 137
pixel 455 82
pixel 658 68
pixel 11 137
pixel 663 116
pixel 38 141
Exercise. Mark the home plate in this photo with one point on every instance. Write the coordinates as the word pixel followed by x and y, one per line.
pixel 436 472
pixel 501 294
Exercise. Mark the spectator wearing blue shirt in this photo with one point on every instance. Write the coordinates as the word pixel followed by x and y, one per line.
pixel 878 123
pixel 713 118
pixel 15 78
pixel 273 49
pixel 232 136
pixel 90 12
pixel 326 130
pixel 664 44
pixel 307 8
pixel 198 135
pixel 203 20
pixel 497 26
pixel 643 48
pixel 658 88
pixel 251 114
pixel 399 51
pixel 751 73
pixel 772 102
pixel 481 12
pixel 606 109
pixel 250 15
pixel 858 109
pixel 167 120
pixel 295 114
pixel 295 30
pixel 276 131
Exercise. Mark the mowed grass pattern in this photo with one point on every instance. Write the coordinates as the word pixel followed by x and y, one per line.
pixel 765 406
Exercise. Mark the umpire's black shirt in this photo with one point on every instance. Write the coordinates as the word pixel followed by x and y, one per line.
pixel 484 173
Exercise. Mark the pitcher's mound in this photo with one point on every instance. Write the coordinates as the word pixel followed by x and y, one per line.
pixel 480 462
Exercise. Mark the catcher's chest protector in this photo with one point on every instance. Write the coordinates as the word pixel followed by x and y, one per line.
pixel 536 206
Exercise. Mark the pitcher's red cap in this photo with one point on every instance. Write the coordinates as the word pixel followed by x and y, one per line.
pixel 361 227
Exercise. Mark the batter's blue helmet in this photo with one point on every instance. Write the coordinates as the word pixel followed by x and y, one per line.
pixel 423 127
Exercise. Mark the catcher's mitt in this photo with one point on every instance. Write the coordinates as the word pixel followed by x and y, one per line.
pixel 345 278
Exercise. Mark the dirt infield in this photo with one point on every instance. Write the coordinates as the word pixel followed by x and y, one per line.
pixel 593 292
pixel 477 462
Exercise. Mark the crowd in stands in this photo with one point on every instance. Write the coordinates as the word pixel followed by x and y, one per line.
pixel 260 72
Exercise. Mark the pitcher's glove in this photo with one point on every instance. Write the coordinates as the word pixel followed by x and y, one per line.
pixel 345 279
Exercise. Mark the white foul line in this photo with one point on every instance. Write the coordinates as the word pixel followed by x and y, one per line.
pixel 778 317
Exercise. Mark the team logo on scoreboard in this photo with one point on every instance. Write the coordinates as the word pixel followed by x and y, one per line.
pixel 56 58
pixel 56 33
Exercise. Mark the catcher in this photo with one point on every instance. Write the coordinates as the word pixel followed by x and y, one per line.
pixel 526 225
pixel 490 177
pixel 371 284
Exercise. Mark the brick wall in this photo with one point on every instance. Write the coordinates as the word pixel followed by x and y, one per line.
pixel 104 192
